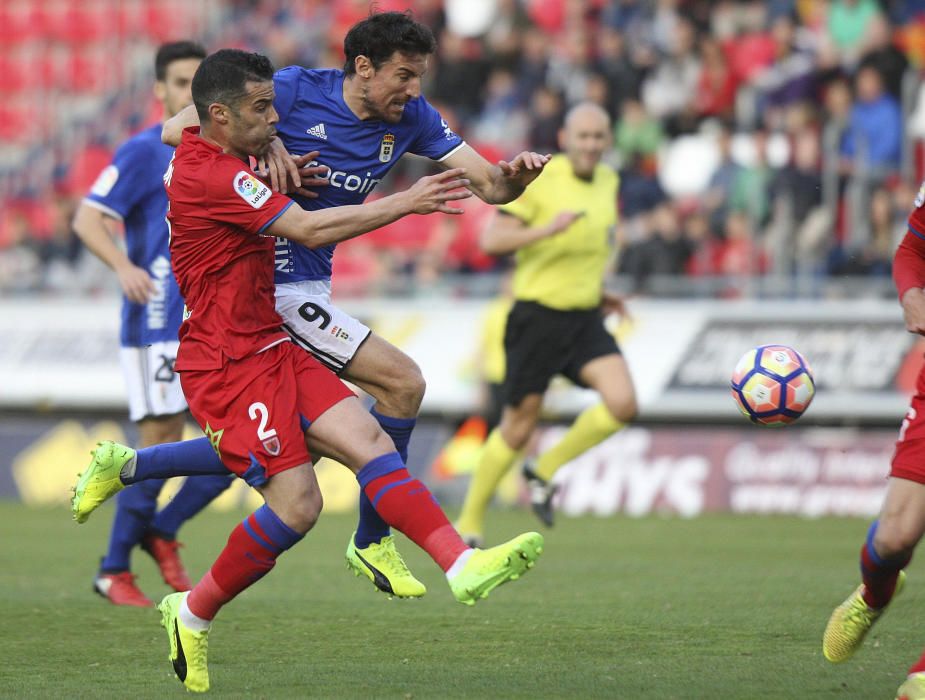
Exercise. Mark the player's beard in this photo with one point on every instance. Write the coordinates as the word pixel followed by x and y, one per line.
pixel 373 109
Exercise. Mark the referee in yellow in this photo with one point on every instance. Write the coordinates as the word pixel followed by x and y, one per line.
pixel 562 232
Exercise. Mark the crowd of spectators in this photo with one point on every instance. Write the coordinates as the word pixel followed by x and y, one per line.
pixel 777 139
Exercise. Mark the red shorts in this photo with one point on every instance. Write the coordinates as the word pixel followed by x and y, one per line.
pixel 256 410
pixel 909 457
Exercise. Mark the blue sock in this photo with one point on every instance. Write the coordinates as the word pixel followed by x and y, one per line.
pixel 135 507
pixel 195 494
pixel 187 458
pixel 399 429
pixel 370 526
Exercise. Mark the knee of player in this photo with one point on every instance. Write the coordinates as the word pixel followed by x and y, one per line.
pixel 895 538
pixel 408 387
pixel 302 514
pixel 622 408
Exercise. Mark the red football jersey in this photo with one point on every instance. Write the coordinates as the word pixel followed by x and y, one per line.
pixel 218 212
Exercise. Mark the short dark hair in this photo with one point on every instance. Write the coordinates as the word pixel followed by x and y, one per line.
pixel 223 77
pixel 382 34
pixel 175 51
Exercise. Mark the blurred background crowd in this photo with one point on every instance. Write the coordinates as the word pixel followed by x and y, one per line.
pixel 765 148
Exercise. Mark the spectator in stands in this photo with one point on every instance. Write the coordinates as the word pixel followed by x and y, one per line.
pixel 848 21
pixel 800 234
pixel 614 64
pixel 790 78
pixel 546 112
pixel 637 133
pixel 875 256
pixel 664 250
pixel 717 84
pixel 20 262
pixel 719 190
pixel 751 188
pixel 459 76
pixel 670 91
pixel 880 53
pixel 872 142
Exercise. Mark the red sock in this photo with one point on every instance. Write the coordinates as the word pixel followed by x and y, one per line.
pixel 407 505
pixel 918 666
pixel 251 552
pixel 879 576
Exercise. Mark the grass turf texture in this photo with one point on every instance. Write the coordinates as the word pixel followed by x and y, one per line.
pixel 716 607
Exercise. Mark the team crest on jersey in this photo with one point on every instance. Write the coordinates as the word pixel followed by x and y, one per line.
pixel 387 148
pixel 920 197
pixel 272 446
pixel 105 181
pixel 251 190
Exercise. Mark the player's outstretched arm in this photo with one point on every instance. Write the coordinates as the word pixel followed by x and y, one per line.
pixel 507 234
pixel 909 277
pixel 434 193
pixel 92 227
pixel 500 183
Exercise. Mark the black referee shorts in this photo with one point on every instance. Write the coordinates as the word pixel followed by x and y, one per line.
pixel 540 342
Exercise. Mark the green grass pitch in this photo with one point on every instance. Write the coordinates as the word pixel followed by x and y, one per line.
pixel 716 607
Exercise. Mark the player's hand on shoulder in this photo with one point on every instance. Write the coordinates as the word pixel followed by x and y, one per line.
pixel 136 283
pixel 913 303
pixel 434 192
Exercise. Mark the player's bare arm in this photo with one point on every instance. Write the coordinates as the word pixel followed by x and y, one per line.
pixel 434 193
pixel 172 131
pixel 93 227
pixel 507 234
pixel 500 183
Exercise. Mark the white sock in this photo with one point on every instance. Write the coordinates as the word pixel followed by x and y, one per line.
pixel 128 469
pixel 459 564
pixel 190 621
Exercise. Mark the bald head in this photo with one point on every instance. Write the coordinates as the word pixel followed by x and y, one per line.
pixel 585 137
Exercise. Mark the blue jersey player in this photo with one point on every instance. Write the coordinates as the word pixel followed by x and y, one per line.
pixel 131 190
pixel 360 121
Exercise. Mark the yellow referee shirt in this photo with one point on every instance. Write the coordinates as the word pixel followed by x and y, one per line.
pixel 566 270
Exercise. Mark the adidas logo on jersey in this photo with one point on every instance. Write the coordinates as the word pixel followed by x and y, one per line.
pixel 317 131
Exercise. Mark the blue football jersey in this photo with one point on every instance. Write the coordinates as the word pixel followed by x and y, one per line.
pixel 131 188
pixel 314 117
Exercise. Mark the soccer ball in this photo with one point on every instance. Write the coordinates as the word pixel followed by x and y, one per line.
pixel 773 385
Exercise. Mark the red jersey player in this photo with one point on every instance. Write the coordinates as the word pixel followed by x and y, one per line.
pixel 892 538
pixel 257 397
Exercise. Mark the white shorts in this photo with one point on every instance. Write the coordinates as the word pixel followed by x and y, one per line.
pixel 315 324
pixel 153 385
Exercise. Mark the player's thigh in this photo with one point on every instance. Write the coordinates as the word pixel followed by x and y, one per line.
pixel 153 390
pixel 330 334
pixel 380 369
pixel 253 412
pixel 348 433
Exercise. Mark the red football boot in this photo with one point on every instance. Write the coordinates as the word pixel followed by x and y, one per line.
pixel 120 589
pixel 168 561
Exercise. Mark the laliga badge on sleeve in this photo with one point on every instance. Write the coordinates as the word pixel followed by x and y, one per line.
pixel 105 181
pixel 920 197
pixel 250 189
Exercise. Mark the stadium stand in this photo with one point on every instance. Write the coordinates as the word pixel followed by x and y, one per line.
pixel 743 129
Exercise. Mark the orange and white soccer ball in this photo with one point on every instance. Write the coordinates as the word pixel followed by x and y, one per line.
pixel 773 385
